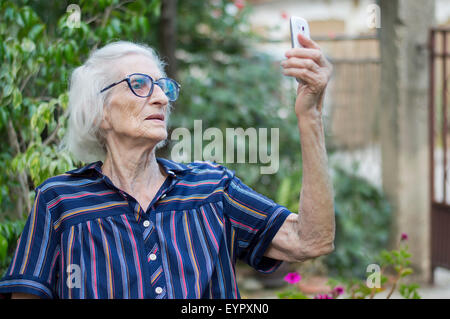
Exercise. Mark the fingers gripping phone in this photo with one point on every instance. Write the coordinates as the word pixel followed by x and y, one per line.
pixel 298 25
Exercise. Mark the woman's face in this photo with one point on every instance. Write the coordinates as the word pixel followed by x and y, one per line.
pixel 125 113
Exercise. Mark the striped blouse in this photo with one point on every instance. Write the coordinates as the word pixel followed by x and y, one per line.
pixel 85 238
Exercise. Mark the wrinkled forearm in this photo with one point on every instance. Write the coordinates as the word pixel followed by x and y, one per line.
pixel 316 221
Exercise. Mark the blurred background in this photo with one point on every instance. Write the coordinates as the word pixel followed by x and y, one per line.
pixel 385 112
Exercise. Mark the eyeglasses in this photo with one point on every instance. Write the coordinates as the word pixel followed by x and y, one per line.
pixel 142 86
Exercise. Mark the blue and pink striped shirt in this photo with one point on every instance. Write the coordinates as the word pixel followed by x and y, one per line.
pixel 85 238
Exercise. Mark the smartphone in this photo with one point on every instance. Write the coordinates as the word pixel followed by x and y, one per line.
pixel 298 25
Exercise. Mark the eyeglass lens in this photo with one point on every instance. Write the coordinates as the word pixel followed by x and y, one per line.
pixel 142 85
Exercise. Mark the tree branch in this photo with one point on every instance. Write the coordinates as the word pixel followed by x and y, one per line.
pixel 54 134
pixel 22 176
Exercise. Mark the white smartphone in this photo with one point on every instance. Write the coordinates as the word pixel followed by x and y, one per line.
pixel 298 25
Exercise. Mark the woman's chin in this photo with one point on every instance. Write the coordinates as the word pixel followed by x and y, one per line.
pixel 156 136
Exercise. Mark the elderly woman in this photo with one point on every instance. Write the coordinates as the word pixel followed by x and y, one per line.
pixel 131 225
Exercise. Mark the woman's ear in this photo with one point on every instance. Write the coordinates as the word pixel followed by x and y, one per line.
pixel 104 126
pixel 105 123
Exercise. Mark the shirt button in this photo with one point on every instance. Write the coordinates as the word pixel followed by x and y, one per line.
pixel 146 223
pixel 158 290
pixel 152 257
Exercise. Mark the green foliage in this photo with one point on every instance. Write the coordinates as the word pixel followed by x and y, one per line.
pixel 291 293
pixel 208 29
pixel 409 291
pixel 288 193
pixel 362 224
pixel 38 58
pixel 9 234
pixel 396 261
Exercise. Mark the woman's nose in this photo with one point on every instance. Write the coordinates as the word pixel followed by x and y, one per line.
pixel 158 96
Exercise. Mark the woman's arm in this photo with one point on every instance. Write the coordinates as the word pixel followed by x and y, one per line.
pixel 311 232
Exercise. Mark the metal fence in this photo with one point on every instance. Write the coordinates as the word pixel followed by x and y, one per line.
pixel 354 89
pixel 352 103
pixel 439 55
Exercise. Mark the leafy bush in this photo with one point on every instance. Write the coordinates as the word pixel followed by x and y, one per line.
pixel 363 216
pixel 38 58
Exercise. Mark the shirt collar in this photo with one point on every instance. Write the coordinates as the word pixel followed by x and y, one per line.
pixel 94 166
pixel 171 167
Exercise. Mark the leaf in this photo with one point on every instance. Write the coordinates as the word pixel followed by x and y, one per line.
pixel 7 90
pixel 386 257
pixel 405 272
pixel 405 254
pixel 27 46
pixel 3 248
pixel 68 52
pixel 283 193
pixel 17 98
pixel 52 167
pixel 63 100
pixel 3 117
pixel 36 31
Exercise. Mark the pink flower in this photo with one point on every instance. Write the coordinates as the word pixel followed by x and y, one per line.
pixel 339 290
pixel 239 4
pixel 293 277
pixel 404 236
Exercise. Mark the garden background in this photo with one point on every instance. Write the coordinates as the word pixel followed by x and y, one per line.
pixel 228 66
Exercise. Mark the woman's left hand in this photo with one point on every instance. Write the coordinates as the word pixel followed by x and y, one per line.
pixel 310 66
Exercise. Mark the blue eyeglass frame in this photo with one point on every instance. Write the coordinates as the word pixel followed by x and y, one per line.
pixel 127 79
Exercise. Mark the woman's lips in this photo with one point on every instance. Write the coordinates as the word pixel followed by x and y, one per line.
pixel 157 117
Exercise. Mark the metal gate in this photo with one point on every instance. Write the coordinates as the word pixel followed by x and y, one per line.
pixel 439 147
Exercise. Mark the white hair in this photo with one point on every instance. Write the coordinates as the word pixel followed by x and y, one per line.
pixel 84 139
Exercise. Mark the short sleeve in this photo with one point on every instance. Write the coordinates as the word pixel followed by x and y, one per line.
pixel 255 220
pixel 33 266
